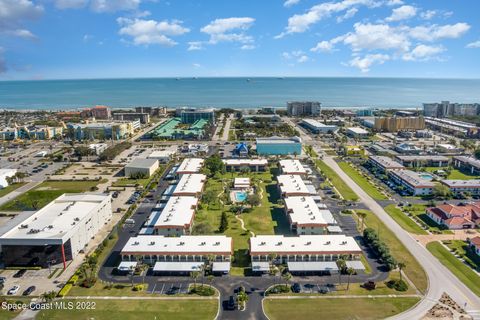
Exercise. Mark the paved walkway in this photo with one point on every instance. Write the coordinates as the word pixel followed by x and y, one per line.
pixel 226 129
pixel 15 193
pixel 458 235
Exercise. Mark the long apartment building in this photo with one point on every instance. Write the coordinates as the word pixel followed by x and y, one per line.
pixel 190 185
pixel 463 186
pixel 304 253
pixel 384 163
pixel 189 166
pixel 179 255
pixel 305 216
pixel 446 109
pixel 254 165
pixel 292 167
pixel 469 164
pixel 423 161
pixel 412 181
pixel 292 186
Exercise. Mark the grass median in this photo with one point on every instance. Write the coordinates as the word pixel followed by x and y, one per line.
pixel 368 187
pixel 336 308
pixel 134 309
pixel 403 220
pixel 345 191
pixel 414 270
pixel 10 188
pixel 463 272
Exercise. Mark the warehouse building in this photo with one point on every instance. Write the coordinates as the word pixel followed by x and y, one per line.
pixel 179 255
pixel 141 167
pixel 305 253
pixel 273 146
pixel 57 232
pixel 356 132
pixel 318 127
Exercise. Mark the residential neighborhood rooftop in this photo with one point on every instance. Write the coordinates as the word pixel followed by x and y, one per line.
pixel 190 165
pixel 292 167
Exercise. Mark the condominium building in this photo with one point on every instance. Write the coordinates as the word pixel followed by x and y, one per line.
pixel 97 112
pixel 394 124
pixel 190 185
pixel 423 161
pixel 144 118
pixel 253 165
pixel 415 183
pixel 191 115
pixel 190 165
pixel 463 186
pixel 180 255
pixel 468 164
pixel 303 108
pixel 292 185
pixel 175 219
pixel 446 109
pixel 452 126
pixel 305 216
pixel 304 253
pixel 292 167
pixel 57 232
pixel 384 163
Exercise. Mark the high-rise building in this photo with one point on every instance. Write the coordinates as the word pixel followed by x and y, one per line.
pixel 394 124
pixel 446 109
pixel 303 108
pixel 189 115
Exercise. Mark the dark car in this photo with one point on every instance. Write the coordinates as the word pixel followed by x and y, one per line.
pixel 232 303
pixel 19 273
pixel 29 290
pixel 296 288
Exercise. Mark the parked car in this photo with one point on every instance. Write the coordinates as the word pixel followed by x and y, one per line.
pixel 296 288
pixel 19 273
pixel 29 290
pixel 2 280
pixel 232 303
pixel 13 290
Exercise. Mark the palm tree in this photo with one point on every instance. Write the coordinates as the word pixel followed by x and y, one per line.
pixel 361 215
pixel 350 271
pixel 401 266
pixel 210 279
pixel 341 266
pixel 194 275
pixel 287 277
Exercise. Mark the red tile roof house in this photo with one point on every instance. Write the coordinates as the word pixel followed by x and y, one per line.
pixel 475 245
pixel 456 217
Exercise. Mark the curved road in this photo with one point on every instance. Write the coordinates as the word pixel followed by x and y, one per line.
pixel 440 279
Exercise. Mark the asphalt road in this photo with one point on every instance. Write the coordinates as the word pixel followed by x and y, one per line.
pixel 440 279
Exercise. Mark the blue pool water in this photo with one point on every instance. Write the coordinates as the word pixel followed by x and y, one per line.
pixel 426 176
pixel 240 196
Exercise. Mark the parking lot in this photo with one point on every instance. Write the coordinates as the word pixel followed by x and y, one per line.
pixel 168 288
pixel 39 278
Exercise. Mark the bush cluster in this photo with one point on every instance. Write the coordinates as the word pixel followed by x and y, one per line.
pixel 381 249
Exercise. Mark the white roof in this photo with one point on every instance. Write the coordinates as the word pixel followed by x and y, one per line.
pixel 355 264
pixel 462 183
pixel 386 162
pixel 260 266
pixel 304 210
pixel 190 184
pixel 303 244
pixel 241 181
pixel 156 244
pixel 292 185
pixel 57 219
pixel 446 146
pixel 317 124
pixel 177 266
pixel 292 167
pixel 161 154
pixel 143 163
pixel 190 165
pixel 245 162
pixel 312 266
pixel 127 265
pixel 221 266
pixel 357 130
pixel 179 211
pixel 413 179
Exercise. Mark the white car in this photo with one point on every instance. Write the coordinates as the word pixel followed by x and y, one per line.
pixel 13 290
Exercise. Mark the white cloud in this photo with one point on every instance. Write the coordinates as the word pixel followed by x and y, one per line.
pixel 247 47
pixel 297 55
pixel 303 59
pixel 289 3
pixel 70 4
pixel 301 22
pixel 146 32
pixel 366 62
pixel 436 32
pixel 475 44
pixel 423 52
pixel 195 45
pixel 429 14
pixel 323 46
pixel 402 13
pixel 87 37
pixel 395 3
pixel 376 36
pixel 14 14
pixel 348 15
pixel 114 5
pixel 229 29
pixel 196 65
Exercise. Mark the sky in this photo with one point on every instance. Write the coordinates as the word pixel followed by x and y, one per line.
pixel 77 39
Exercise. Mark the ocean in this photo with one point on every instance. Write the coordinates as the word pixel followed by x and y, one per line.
pixel 235 92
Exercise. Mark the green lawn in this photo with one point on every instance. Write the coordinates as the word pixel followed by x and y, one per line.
pixel 464 273
pixel 130 182
pixel 413 270
pixel 403 220
pixel 137 309
pixel 462 248
pixel 10 188
pixel 324 308
pixel 455 174
pixel 362 181
pixel 46 192
pixel 346 192
pixel 418 210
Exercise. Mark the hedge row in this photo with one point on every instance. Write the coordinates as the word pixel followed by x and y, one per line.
pixel 380 248
pixel 68 286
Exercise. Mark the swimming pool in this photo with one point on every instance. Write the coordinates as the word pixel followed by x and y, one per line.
pixel 426 176
pixel 240 196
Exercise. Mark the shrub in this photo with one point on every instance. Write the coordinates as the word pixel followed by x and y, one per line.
pixel 202 291
pixel 138 287
pixel 382 250
pixel 398 285
pixel 279 288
